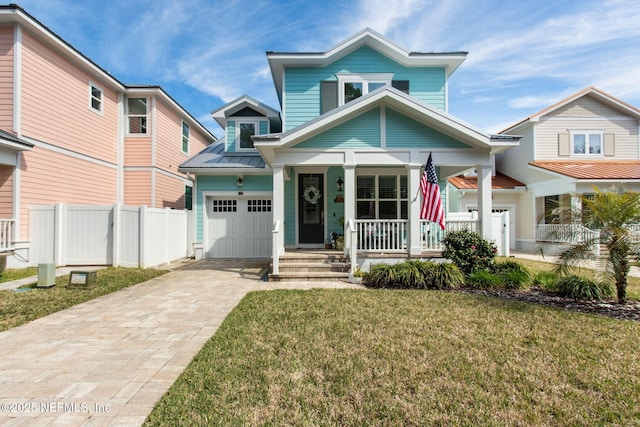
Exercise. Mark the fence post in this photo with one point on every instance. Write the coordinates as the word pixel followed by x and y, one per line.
pixel 142 215
pixel 59 220
pixel 115 234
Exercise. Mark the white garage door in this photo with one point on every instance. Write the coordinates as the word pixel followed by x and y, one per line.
pixel 239 227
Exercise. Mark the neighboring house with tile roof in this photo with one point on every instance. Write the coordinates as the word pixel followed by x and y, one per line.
pixel 72 133
pixel 358 123
pixel 589 139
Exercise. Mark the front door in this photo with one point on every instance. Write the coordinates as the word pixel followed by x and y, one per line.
pixel 311 208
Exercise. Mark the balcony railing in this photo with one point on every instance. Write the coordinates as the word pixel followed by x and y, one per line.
pixel 6 235
pixel 380 235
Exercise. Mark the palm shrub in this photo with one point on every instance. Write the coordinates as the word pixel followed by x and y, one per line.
pixel 443 275
pixel 581 288
pixel 483 279
pixel 513 275
pixel 468 250
pixel 547 280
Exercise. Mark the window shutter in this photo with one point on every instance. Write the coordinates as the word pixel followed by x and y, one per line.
pixel 564 146
pixel 609 144
pixel 328 95
pixel 401 85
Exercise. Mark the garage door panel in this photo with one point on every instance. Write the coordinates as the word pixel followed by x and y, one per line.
pixel 239 227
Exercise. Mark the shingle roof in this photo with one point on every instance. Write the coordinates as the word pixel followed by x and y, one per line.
pixel 584 169
pixel 498 182
pixel 214 156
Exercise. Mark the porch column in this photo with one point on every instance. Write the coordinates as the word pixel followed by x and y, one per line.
pixel 278 207
pixel 415 246
pixel 349 200
pixel 484 200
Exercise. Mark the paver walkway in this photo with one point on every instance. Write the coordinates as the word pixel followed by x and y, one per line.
pixel 107 361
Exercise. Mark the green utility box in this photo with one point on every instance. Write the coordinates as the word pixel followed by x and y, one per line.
pixel 46 275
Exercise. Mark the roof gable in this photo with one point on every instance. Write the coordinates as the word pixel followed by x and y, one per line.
pixel 240 105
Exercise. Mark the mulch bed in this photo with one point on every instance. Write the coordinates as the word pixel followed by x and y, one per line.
pixel 629 311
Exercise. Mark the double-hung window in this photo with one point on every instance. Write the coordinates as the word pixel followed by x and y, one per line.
pixel 137 116
pixel 382 197
pixel 586 143
pixel 185 137
pixel 95 98
pixel 353 86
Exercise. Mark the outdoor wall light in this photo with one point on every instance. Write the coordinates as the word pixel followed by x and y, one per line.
pixel 339 183
pixel 240 181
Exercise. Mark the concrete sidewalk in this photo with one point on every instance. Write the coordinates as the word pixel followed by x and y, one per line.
pixel 107 361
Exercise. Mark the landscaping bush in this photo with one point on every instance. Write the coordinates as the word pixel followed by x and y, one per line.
pixel 468 250
pixel 410 274
pixel 443 275
pixel 513 275
pixel 581 288
pixel 546 280
pixel 379 276
pixel 483 279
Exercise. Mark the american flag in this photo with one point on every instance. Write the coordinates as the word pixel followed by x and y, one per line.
pixel 431 200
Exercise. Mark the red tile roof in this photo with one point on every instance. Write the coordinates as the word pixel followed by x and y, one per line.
pixel 498 182
pixel 584 169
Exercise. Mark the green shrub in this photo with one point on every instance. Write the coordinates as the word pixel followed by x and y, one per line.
pixel 380 276
pixel 468 250
pixel 513 275
pixel 581 288
pixel 410 274
pixel 443 275
pixel 483 279
pixel 545 280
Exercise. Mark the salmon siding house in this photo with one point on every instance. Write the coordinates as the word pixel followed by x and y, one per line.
pixel 72 133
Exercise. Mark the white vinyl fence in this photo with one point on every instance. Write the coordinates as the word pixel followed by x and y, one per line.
pixel 115 235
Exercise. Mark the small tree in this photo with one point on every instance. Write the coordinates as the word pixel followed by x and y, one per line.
pixel 610 212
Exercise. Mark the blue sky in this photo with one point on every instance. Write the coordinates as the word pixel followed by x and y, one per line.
pixel 523 56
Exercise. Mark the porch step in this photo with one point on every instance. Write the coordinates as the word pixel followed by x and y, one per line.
pixel 312 265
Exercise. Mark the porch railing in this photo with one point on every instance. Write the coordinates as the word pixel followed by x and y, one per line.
pixel 379 235
pixel 6 235
pixel 569 234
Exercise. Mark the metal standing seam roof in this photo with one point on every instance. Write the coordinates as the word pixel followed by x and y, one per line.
pixel 593 170
pixel 214 157
pixel 498 182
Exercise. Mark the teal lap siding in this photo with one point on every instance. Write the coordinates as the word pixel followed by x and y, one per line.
pixel 403 132
pixel 360 132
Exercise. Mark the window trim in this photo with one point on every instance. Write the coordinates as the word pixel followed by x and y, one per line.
pixel 586 134
pixel 242 121
pixel 376 196
pixel 128 116
pixel 99 110
pixel 187 136
pixel 365 79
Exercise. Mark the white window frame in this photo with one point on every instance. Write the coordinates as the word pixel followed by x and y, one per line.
pixel 187 136
pixel 146 129
pixel 365 79
pixel 586 134
pixel 243 121
pixel 376 199
pixel 100 100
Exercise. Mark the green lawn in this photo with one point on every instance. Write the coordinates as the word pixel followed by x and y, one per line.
pixel 381 357
pixel 17 308
pixel 17 273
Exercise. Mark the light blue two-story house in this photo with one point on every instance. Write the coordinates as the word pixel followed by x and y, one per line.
pixel 343 154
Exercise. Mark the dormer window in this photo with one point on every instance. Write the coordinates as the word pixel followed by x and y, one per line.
pixel 353 86
pixel 586 143
pixel 244 132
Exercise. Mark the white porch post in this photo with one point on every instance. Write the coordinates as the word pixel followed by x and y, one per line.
pixel 415 246
pixel 484 200
pixel 349 201
pixel 278 206
pixel 576 208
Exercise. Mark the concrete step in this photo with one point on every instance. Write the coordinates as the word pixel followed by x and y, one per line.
pixel 286 267
pixel 329 276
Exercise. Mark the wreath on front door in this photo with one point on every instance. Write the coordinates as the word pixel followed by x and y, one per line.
pixel 312 194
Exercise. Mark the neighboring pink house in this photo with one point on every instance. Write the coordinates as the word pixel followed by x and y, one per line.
pixel 72 133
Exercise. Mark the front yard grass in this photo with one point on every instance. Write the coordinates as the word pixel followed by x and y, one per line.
pixel 17 273
pixel 17 308
pixel 389 357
